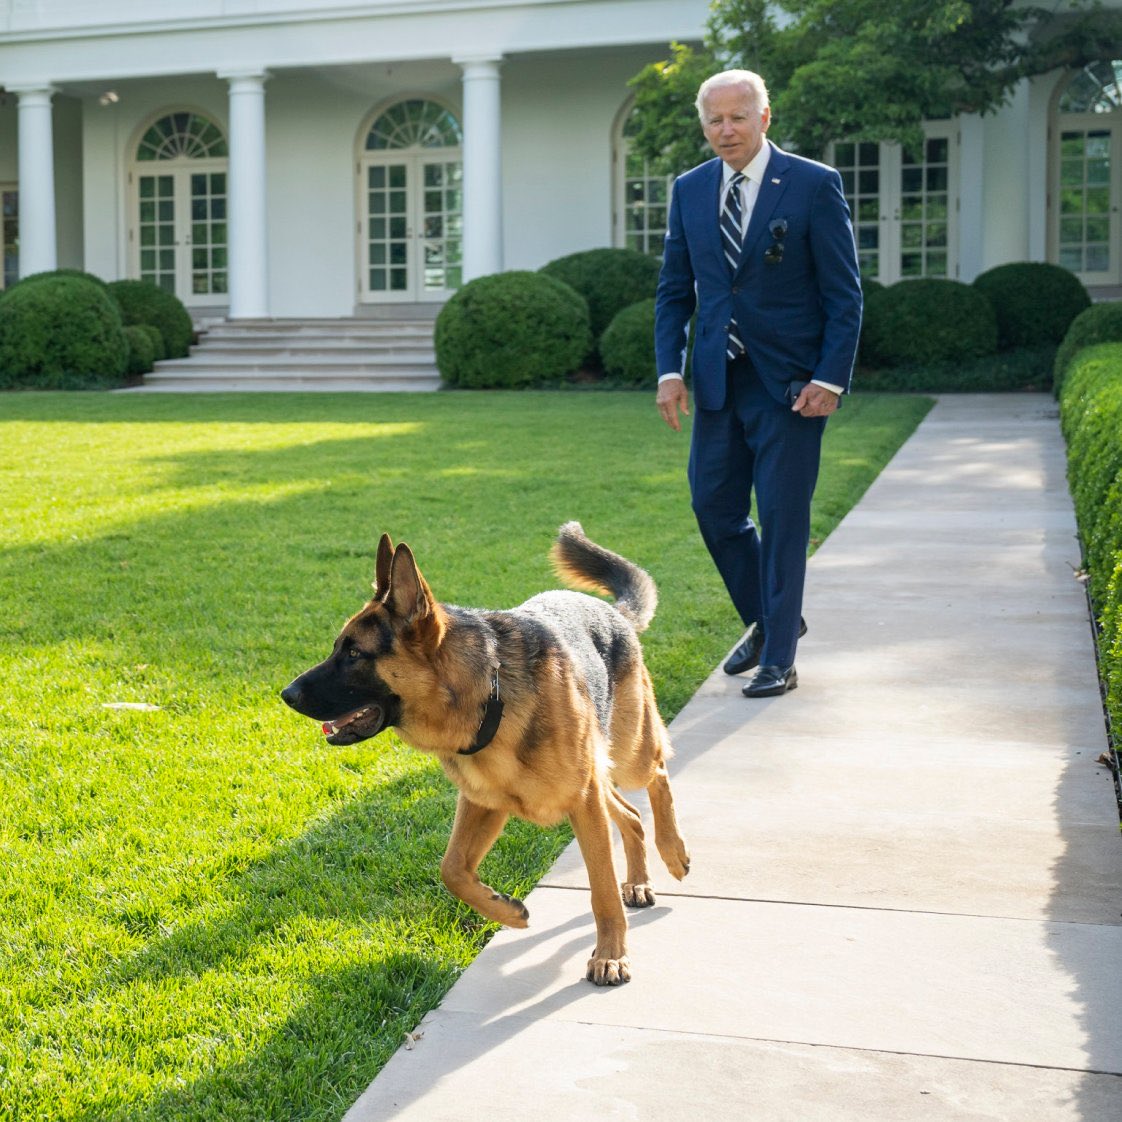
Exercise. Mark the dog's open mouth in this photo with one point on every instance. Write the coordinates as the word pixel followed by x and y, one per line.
pixel 362 724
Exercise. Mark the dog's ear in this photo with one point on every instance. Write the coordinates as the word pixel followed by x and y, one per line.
pixel 409 595
pixel 382 567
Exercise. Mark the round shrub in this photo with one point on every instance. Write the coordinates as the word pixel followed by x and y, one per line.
pixel 930 320
pixel 1100 323
pixel 511 329
pixel 60 333
pixel 142 302
pixel 609 279
pixel 159 351
pixel 142 352
pixel 1034 302
pixel 36 277
pixel 627 346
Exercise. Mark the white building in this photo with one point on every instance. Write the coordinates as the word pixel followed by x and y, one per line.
pixel 287 158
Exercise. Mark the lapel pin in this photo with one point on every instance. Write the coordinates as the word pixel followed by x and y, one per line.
pixel 775 180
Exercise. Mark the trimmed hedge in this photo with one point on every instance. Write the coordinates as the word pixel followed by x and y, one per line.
pixel 35 277
pixel 142 351
pixel 1100 323
pixel 511 329
pixel 925 321
pixel 1034 302
pixel 1028 368
pixel 1091 417
pixel 159 351
pixel 61 332
pixel 609 279
pixel 627 347
pixel 143 303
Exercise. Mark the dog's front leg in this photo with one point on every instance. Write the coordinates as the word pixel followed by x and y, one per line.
pixel 609 965
pixel 473 833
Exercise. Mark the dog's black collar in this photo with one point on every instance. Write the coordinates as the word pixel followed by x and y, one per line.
pixel 489 726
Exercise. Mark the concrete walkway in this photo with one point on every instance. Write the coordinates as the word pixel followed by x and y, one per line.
pixel 906 894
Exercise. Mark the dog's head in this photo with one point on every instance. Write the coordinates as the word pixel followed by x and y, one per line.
pixel 379 656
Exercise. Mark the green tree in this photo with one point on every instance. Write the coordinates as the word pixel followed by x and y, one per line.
pixel 870 68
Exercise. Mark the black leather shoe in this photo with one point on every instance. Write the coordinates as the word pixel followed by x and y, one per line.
pixel 746 654
pixel 771 681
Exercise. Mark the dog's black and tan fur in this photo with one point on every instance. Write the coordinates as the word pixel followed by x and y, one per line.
pixel 578 719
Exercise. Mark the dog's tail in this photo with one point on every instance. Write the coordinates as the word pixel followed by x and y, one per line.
pixel 584 564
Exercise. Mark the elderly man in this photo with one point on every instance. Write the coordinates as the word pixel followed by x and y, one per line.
pixel 760 245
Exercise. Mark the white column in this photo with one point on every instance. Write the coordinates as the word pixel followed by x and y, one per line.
pixel 38 238
pixel 483 167
pixel 248 189
pixel 971 196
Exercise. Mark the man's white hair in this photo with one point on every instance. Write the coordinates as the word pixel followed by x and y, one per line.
pixel 749 79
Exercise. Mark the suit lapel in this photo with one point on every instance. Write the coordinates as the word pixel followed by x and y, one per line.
pixel 767 202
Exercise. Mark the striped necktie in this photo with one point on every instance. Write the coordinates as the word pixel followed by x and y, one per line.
pixel 732 240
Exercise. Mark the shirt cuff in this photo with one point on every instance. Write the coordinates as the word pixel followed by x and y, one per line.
pixel 839 390
pixel 666 377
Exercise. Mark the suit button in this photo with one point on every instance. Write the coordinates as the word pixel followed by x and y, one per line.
pixel 736 291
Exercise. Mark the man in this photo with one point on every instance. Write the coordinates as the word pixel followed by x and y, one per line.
pixel 759 243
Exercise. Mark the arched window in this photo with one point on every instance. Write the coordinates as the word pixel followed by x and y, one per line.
pixel 642 195
pixel 178 179
pixel 411 203
pixel 1086 184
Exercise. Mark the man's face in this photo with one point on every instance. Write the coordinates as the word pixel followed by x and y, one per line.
pixel 733 125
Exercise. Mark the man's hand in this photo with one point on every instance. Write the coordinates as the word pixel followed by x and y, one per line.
pixel 815 401
pixel 672 398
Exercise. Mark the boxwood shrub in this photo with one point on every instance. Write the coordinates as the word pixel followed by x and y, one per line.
pixel 142 302
pixel 925 321
pixel 609 279
pixel 627 346
pixel 159 351
pixel 35 277
pixel 511 329
pixel 1034 302
pixel 1091 416
pixel 1100 323
pixel 61 332
pixel 1027 368
pixel 142 351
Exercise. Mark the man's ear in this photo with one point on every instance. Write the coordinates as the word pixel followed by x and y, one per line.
pixel 409 596
pixel 382 567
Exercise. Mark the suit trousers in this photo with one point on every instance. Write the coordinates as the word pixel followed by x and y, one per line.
pixel 755 443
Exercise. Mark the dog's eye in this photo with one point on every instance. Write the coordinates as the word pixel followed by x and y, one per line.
pixel 354 652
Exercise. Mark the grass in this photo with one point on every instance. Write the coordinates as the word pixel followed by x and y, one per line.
pixel 206 913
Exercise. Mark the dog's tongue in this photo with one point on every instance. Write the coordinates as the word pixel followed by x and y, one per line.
pixel 353 727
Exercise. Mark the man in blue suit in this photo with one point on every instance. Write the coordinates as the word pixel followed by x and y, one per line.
pixel 759 243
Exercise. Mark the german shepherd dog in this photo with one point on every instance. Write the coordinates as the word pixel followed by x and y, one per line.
pixel 540 712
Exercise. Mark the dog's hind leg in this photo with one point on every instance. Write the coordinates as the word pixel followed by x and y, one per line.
pixel 668 838
pixel 474 832
pixel 609 964
pixel 636 889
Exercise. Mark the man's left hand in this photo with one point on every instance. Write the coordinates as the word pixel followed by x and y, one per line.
pixel 815 401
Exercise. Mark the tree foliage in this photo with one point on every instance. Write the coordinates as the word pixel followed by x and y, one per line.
pixel 870 68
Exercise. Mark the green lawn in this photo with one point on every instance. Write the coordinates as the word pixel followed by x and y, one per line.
pixel 206 912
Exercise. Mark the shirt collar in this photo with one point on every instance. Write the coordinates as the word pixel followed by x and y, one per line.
pixel 755 168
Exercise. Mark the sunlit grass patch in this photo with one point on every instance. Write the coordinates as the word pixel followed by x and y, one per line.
pixel 206 912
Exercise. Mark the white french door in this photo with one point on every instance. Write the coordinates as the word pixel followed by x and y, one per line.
pixel 410 226
pixel 904 204
pixel 1086 194
pixel 178 236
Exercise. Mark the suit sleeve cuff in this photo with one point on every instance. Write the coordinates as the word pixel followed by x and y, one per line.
pixel 839 390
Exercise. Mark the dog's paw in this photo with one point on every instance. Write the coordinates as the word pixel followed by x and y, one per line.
pixel 676 858
pixel 511 911
pixel 638 895
pixel 609 971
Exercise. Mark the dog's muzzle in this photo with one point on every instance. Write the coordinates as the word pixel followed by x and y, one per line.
pixel 344 728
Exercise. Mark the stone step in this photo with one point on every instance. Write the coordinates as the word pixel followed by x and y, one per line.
pixel 306 354
pixel 288 384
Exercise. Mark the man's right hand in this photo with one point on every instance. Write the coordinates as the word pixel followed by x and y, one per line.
pixel 673 397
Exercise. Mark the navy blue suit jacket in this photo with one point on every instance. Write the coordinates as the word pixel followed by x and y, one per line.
pixel 799 319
